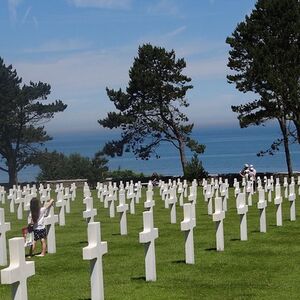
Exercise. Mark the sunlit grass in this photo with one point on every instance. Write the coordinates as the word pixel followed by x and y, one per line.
pixel 264 267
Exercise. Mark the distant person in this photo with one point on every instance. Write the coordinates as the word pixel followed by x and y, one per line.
pixel 37 219
pixel 245 170
pixel 252 175
pixel 154 179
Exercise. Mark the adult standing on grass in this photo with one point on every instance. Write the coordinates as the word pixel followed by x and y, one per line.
pixel 245 170
pixel 37 219
pixel 252 175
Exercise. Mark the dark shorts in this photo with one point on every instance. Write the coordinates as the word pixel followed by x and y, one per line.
pixel 39 234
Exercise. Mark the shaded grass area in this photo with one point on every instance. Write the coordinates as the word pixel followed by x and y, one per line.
pixel 264 267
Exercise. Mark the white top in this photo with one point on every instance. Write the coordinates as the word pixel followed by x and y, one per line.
pixel 40 224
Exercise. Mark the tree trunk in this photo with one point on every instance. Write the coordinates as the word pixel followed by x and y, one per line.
pixel 282 124
pixel 182 155
pixel 12 172
pixel 297 125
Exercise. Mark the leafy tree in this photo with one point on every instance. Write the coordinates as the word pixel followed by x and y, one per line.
pixel 56 166
pixel 124 175
pixel 21 115
pixel 265 58
pixel 194 169
pixel 149 111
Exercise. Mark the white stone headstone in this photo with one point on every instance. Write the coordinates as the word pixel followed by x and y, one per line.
pixel 94 252
pixel 131 197
pixel 261 205
pixel 61 203
pixel 19 270
pixel 172 203
pixel 292 199
pixel 278 203
pixel 242 210
pixel 4 227
pixel 286 187
pixel 50 221
pixel 90 212
pixel 122 209
pixel 218 217
pixel 67 197
pixel 187 225
pixel 147 237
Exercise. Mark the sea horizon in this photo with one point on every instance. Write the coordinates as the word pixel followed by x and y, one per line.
pixel 227 150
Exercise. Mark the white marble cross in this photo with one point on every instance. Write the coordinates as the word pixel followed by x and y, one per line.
pixel 94 252
pixel 2 194
pixel 12 196
pixel 172 203
pixel 73 191
pixel 149 203
pixel 278 203
pixel 223 194
pixel 249 192
pixel 218 217
pixel 147 237
pixel 165 195
pixel 185 188
pixel 19 270
pixel 61 203
pixel 50 221
pixel 292 198
pixel 261 205
pixel 4 227
pixel 286 187
pixel 90 211
pixel 180 193
pixel 19 201
pixel 209 197
pixel 269 188
pixel 130 197
pixel 110 198
pixel 122 209
pixel 298 181
pixel 67 197
pixel 187 225
pixel 86 190
pixel 192 199
pixel 242 210
pixel 236 186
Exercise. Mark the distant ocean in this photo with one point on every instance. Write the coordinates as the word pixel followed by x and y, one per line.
pixel 227 149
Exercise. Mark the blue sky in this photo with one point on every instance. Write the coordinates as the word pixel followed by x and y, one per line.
pixel 80 47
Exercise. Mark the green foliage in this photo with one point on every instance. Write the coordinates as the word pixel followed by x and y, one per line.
pixel 22 114
pixel 124 175
pixel 149 112
pixel 194 169
pixel 55 166
pixel 265 60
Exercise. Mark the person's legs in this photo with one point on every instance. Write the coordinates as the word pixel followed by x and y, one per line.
pixel 44 246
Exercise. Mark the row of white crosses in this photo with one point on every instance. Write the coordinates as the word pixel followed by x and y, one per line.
pixel 19 270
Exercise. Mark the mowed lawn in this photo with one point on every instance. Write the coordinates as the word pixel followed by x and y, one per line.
pixel 267 266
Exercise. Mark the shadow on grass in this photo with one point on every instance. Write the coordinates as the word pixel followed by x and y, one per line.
pixel 139 278
pixel 211 249
pixel 85 299
pixel 83 242
pixel 255 231
pixel 234 240
pixel 181 261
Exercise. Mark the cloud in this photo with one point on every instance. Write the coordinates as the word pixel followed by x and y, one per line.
pixel 215 67
pixel 12 7
pixel 164 7
pixel 109 4
pixel 60 46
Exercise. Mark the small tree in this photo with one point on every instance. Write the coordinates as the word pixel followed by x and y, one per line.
pixel 149 111
pixel 265 58
pixel 21 115
pixel 55 166
pixel 194 169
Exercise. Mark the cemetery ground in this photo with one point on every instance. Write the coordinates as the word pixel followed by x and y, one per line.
pixel 264 267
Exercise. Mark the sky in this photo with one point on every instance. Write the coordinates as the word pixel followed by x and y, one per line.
pixel 80 47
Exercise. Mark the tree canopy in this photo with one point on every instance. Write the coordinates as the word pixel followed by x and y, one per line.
pixel 265 58
pixel 149 111
pixel 22 114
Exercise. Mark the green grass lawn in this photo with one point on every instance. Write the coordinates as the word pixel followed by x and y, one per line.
pixel 264 267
